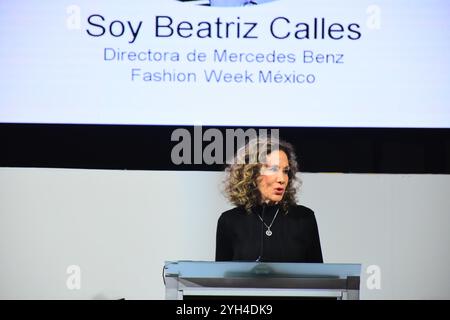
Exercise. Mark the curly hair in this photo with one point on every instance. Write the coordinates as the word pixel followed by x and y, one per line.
pixel 241 187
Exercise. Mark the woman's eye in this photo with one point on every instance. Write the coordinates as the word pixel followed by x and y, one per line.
pixel 269 169
pixel 274 170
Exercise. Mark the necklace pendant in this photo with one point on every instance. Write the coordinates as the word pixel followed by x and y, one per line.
pixel 268 232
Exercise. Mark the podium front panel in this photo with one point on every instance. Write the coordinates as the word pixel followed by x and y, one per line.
pixel 190 279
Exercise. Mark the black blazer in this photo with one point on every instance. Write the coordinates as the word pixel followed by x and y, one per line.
pixel 241 236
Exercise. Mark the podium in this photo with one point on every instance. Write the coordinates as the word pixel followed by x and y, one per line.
pixel 203 279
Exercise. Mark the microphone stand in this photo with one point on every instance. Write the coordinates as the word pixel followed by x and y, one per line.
pixel 261 247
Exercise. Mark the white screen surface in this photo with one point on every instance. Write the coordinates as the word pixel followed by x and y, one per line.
pixel 346 63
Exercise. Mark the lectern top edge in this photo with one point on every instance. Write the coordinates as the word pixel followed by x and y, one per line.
pixel 212 269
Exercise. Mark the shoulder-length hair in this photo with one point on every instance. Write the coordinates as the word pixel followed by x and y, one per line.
pixel 241 187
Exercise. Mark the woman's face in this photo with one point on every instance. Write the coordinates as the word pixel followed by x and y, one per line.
pixel 274 177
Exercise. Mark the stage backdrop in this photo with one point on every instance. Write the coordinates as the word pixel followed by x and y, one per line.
pixel 119 227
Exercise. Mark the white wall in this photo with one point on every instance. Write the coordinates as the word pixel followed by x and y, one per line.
pixel 120 227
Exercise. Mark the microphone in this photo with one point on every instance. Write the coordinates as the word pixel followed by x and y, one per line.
pixel 261 246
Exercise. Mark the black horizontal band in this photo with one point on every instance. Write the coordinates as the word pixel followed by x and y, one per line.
pixel 142 147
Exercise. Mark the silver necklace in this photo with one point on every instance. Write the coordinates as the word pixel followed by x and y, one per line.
pixel 268 231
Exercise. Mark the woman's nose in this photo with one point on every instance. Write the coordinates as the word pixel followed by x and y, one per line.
pixel 281 176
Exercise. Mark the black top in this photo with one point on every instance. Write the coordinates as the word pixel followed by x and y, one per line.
pixel 295 237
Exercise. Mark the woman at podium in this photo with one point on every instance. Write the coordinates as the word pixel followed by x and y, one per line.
pixel 267 224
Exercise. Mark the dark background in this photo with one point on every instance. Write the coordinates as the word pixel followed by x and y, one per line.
pixel 140 147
